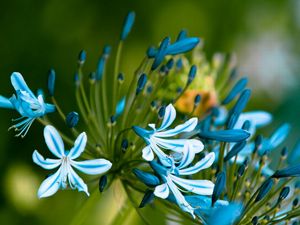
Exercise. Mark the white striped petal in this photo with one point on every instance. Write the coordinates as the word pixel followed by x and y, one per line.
pixel 54 141
pixel 201 187
pixel 47 164
pixel 162 191
pixel 204 163
pixel 79 146
pixel 51 185
pixel 76 182
pixel 169 117
pixel 93 166
pixel 188 126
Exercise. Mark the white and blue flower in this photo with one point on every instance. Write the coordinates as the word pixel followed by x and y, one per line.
pixel 65 176
pixel 173 184
pixel 162 138
pixel 26 103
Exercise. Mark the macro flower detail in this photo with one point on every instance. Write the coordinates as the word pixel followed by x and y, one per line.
pixel 26 103
pixel 173 184
pixel 161 138
pixel 65 177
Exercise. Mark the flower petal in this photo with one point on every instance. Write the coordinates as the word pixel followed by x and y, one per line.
pixel 47 164
pixel 5 103
pixel 188 126
pixel 92 167
pixel 169 117
pixel 51 185
pixel 19 83
pixel 204 163
pixel 79 146
pixel 54 141
pixel 77 182
pixel 162 191
pixel 188 156
pixel 148 153
pixel 201 187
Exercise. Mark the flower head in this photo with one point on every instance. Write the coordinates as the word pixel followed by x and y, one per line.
pixel 161 138
pixel 65 176
pixel 173 184
pixel 26 103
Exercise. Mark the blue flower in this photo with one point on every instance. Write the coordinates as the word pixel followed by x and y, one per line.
pixel 26 103
pixel 173 184
pixel 65 176
pixel 161 138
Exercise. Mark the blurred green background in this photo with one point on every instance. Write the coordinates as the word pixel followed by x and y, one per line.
pixel 36 35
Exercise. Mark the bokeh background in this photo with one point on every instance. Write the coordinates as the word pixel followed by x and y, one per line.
pixel 36 35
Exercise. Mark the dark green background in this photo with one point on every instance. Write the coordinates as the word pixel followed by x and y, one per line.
pixel 38 35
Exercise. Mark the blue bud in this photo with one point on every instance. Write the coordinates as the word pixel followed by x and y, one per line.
pixel 179 90
pixel 148 198
pixel 182 46
pixel 72 119
pixel 197 100
pixel 235 135
pixel 147 178
pixel 192 74
pixel 161 112
pixel 128 23
pixel 235 150
pixel 124 145
pixel 161 53
pixel 113 120
pixel 51 82
pixel 163 70
pixel 258 142
pixel 153 104
pixel 120 77
pixel 149 89
pixel 246 125
pixel 102 183
pixel 291 171
pixel 120 107
pixel 264 189
pixel 77 79
pixel 241 170
pixel 283 194
pixel 295 202
pixel 232 119
pixel 151 52
pixel 219 187
pixel 141 83
pixel 92 77
pixel 238 87
pixel 284 152
pixel 106 51
pixel 179 64
pixel 254 220
pixel 182 35
pixel 241 102
pixel 100 68
pixel 81 57
pixel 170 64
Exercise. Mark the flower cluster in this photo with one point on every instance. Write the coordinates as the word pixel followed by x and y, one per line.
pixel 202 156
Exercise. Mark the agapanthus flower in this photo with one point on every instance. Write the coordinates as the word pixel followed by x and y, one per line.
pixel 65 177
pixel 164 138
pixel 173 183
pixel 26 103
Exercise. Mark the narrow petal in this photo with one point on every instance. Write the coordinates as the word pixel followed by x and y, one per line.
pixel 76 182
pixel 5 103
pixel 188 126
pixel 92 167
pixel 188 156
pixel 204 163
pixel 79 146
pixel 201 187
pixel 162 191
pixel 148 153
pixel 51 185
pixel 54 141
pixel 47 164
pixel 169 117
pixel 19 83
